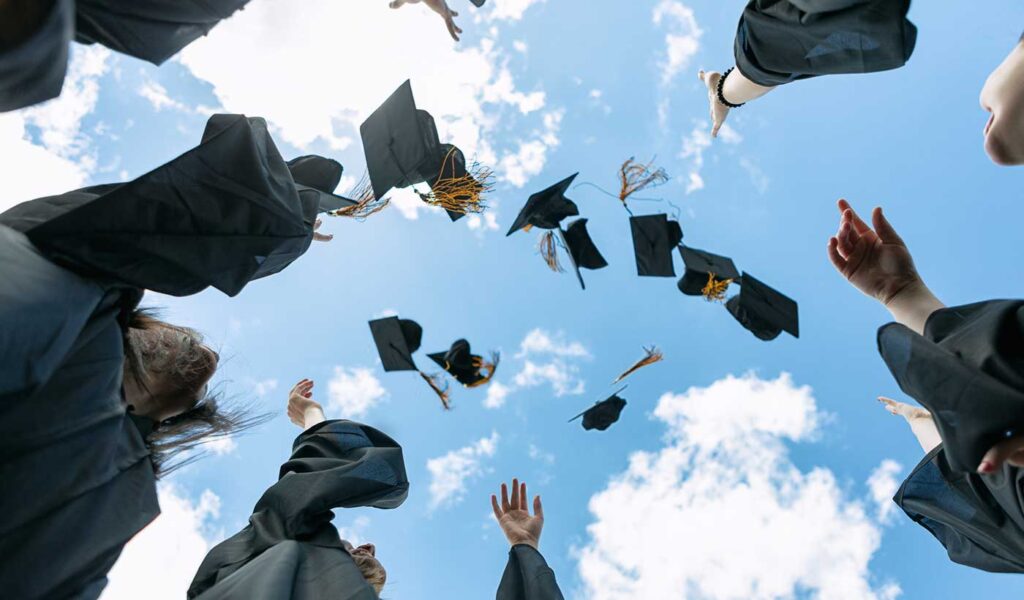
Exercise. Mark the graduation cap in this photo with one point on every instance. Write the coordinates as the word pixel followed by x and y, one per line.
pixel 402 149
pixel 547 208
pixel 471 370
pixel 706 274
pixel 601 415
pixel 397 340
pixel 651 356
pixel 581 249
pixel 654 239
pixel 763 311
pixel 320 176
pixel 478 3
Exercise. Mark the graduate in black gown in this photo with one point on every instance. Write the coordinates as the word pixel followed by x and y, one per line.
pixel 527 575
pixel 965 364
pixel 289 549
pixel 96 396
pixel 781 41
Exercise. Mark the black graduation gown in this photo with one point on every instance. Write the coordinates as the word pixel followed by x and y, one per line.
pixel 221 214
pixel 527 577
pixel 968 370
pixel 779 41
pixel 289 549
pixel 152 30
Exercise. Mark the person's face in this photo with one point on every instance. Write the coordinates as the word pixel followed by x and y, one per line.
pixel 1003 97
pixel 365 557
pixel 177 367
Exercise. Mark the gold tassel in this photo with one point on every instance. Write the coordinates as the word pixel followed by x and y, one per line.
pixel 651 356
pixel 634 177
pixel 549 250
pixel 460 194
pixel 366 203
pixel 484 366
pixel 715 290
pixel 440 387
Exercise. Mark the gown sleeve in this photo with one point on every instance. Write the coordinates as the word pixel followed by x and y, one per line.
pixel 153 30
pixel 779 41
pixel 33 70
pixel 221 215
pixel 335 464
pixel 527 577
pixel 977 518
pixel 968 371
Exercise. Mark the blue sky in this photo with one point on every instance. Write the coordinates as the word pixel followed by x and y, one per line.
pixel 541 89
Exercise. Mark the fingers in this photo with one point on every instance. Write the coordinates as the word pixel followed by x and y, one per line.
pixel 515 494
pixel 847 238
pixel 505 506
pixel 886 232
pixel 452 28
pixel 715 126
pixel 833 255
pixel 295 388
pixel 495 507
pixel 998 454
pixel 859 225
pixel 523 497
pixel 397 3
pixel 323 237
pixel 889 404
pixel 538 509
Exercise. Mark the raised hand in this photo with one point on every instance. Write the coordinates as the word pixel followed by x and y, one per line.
pixel 514 515
pixel 441 8
pixel 302 409
pixel 321 237
pixel 719 111
pixel 1010 450
pixel 875 261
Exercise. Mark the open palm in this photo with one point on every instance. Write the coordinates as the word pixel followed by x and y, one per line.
pixel 514 515
pixel 876 261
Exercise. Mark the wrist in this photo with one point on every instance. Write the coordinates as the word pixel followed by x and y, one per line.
pixel 913 304
pixel 313 415
pixel 525 542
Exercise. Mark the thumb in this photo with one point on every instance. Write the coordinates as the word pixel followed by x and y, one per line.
pixel 997 455
pixel 886 232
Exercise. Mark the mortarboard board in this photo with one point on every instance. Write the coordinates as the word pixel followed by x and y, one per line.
pixel 469 369
pixel 547 208
pixel 402 148
pixel 478 3
pixel 706 274
pixel 319 176
pixel 763 311
pixel 601 415
pixel 582 251
pixel 654 239
pixel 396 340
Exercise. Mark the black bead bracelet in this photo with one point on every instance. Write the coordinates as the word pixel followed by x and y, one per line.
pixel 718 90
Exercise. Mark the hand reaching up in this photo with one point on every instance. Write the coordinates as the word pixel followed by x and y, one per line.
pixel 441 8
pixel 514 516
pixel 719 111
pixel 302 409
pixel 875 261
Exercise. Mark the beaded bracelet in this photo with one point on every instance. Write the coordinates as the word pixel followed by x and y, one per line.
pixel 718 90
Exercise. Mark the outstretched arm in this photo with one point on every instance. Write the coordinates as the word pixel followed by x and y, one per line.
pixel 737 89
pixel 527 575
pixel 920 421
pixel 441 8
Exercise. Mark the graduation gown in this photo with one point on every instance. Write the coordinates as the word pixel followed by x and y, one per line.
pixel 527 577
pixel 222 214
pixel 779 41
pixel 152 30
pixel 968 370
pixel 289 549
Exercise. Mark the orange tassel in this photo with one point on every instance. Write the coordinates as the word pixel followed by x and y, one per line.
pixel 366 203
pixel 460 194
pixel 634 177
pixel 484 366
pixel 440 387
pixel 715 289
pixel 651 356
pixel 548 248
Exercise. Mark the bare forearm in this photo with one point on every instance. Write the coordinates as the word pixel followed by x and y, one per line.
pixel 313 416
pixel 737 89
pixel 926 433
pixel 913 305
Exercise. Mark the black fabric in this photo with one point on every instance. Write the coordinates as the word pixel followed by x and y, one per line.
pixel 77 479
pixel 527 576
pixel 582 250
pixel 547 208
pixel 779 41
pixel 654 239
pixel 289 549
pixel 478 3
pixel 33 71
pixel 968 370
pixel 396 340
pixel 699 265
pixel 152 30
pixel 319 177
pixel 221 215
pixel 763 310
pixel 602 415
pixel 460 362
pixel 977 518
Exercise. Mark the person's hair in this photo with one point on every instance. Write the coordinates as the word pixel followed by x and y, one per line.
pixel 373 572
pixel 184 368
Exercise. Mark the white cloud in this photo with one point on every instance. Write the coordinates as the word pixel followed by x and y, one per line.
pixel 264 387
pixel 354 391
pixel 355 533
pixel 562 377
pixel 497 392
pixel 540 455
pixel 469 89
pixel 694 146
pixel 539 341
pixel 723 512
pixel 510 10
pixel 162 559
pixel 682 37
pixel 158 97
pixel 64 158
pixel 220 446
pixel 520 166
pixel 757 175
pixel 882 484
pixel 450 473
